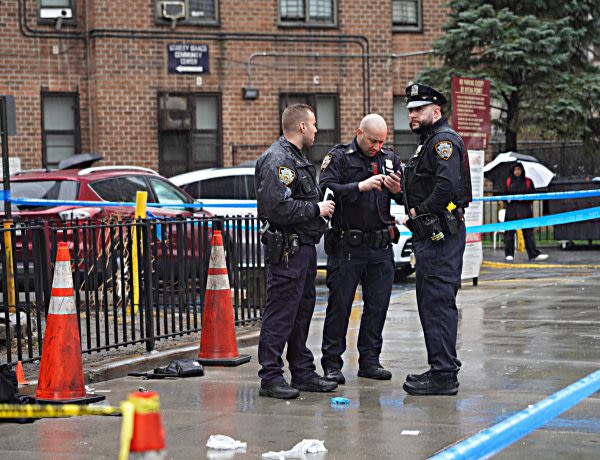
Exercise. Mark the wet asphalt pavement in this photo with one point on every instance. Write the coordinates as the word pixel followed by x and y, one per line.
pixel 525 332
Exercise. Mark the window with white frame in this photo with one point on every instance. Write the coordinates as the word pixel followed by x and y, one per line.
pixel 407 15
pixel 307 12
pixel 60 127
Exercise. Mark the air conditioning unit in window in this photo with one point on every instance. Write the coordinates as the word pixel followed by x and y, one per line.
pixel 170 119
pixel 56 13
pixel 173 10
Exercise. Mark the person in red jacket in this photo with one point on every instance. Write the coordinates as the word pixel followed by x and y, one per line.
pixel 518 184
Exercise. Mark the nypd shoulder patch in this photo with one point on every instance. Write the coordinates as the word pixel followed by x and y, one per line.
pixel 326 162
pixel 444 150
pixel 286 175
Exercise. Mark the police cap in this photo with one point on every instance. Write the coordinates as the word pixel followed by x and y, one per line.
pixel 419 95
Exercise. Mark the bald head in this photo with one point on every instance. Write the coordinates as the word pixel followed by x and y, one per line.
pixel 371 134
pixel 372 122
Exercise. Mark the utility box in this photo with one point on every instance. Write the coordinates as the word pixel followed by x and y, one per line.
pixel 586 230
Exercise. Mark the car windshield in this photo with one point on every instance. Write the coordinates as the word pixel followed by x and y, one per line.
pixel 43 190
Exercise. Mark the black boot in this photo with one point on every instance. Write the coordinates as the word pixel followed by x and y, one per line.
pixel 415 377
pixel 433 383
pixel 335 375
pixel 315 384
pixel 375 372
pixel 280 390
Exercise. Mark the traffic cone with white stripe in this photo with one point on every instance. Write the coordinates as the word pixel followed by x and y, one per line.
pixel 142 434
pixel 60 379
pixel 218 345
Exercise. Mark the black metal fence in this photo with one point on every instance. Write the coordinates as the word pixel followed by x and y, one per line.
pixel 115 307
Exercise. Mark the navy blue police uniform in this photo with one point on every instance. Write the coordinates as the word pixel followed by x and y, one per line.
pixel 436 176
pixel 287 195
pixel 359 247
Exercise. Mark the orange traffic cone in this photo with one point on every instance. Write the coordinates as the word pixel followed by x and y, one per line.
pixel 146 438
pixel 218 346
pixel 60 379
pixel 21 380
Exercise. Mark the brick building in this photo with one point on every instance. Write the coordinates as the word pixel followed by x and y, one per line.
pixel 186 84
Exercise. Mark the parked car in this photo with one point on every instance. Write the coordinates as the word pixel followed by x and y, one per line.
pixel 230 191
pixel 84 226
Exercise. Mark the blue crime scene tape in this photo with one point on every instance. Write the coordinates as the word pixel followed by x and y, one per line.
pixel 490 441
pixel 554 219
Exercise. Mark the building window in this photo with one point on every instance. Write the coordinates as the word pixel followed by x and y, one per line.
pixel 326 111
pixel 307 12
pixel 405 141
pixel 189 132
pixel 60 127
pixel 199 12
pixel 53 11
pixel 407 15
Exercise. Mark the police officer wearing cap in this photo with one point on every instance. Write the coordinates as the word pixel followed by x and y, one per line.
pixel 437 187
pixel 292 213
pixel 363 177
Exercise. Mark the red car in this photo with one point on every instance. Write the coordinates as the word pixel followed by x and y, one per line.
pixel 98 184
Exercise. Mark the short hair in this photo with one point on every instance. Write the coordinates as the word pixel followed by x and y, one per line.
pixel 293 115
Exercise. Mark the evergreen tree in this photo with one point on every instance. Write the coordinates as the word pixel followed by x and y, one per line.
pixel 538 55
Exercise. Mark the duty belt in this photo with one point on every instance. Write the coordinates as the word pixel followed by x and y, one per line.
pixel 376 239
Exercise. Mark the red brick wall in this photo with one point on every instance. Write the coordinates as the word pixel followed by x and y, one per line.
pixel 118 78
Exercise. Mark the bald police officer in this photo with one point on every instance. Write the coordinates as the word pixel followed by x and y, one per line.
pixel 291 208
pixel 363 177
pixel 437 186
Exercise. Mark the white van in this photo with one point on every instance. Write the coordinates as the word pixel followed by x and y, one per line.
pixel 230 191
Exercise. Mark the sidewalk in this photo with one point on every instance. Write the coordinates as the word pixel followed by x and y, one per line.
pixel 524 334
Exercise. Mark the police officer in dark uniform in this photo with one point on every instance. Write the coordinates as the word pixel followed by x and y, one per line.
pixel 292 211
pixel 437 187
pixel 363 178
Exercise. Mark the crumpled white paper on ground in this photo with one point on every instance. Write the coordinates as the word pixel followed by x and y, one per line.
pixel 222 442
pixel 306 446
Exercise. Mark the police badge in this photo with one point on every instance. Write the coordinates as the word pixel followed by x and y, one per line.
pixel 326 162
pixel 414 91
pixel 444 150
pixel 286 175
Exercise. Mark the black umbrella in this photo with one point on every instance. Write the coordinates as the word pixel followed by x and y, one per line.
pixel 79 161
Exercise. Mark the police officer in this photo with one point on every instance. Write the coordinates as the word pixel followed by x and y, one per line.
pixel 290 205
pixel 437 185
pixel 363 177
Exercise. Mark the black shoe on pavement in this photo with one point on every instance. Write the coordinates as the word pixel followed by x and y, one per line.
pixel 434 383
pixel 375 372
pixel 279 390
pixel 315 384
pixel 416 377
pixel 335 375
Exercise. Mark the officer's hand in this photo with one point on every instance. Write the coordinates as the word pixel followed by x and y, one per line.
pixel 326 208
pixel 392 183
pixel 373 182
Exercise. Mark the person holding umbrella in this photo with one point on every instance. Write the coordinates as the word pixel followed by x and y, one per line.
pixel 518 184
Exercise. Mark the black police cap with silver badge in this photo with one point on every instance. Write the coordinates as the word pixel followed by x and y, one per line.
pixel 419 95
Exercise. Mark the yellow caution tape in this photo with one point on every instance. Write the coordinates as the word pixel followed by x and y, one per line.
pixel 51 410
pixel 489 264
pixel 128 411
pixel 145 405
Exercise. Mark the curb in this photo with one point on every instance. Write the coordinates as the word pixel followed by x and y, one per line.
pixel 120 367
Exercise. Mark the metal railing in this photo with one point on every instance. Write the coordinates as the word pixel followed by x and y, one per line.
pixel 171 280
